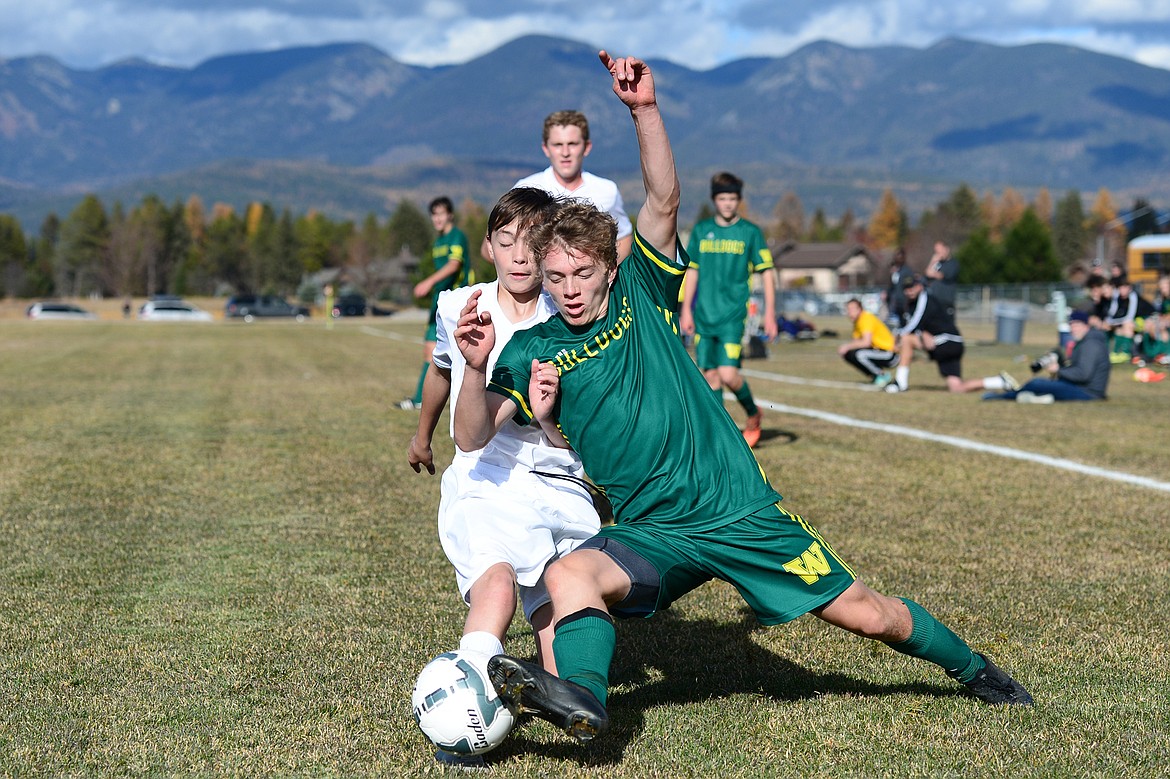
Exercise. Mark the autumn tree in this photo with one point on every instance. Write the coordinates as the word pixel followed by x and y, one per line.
pixel 1042 205
pixel 1011 209
pixel 1109 231
pixel 888 225
pixel 789 219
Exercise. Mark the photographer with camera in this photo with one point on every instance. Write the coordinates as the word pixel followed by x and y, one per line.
pixel 1083 376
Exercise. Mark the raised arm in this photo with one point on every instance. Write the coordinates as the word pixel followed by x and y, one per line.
pixel 634 85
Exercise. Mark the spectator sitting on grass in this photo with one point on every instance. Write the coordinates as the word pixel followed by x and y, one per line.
pixel 1083 376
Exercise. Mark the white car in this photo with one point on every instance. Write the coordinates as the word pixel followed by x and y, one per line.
pixel 46 310
pixel 172 311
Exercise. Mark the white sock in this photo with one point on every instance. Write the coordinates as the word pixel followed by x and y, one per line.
pixel 483 642
pixel 902 376
pixel 994 383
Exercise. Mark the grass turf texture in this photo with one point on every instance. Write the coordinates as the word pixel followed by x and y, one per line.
pixel 216 561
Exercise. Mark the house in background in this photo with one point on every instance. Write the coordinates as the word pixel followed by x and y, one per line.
pixel 830 267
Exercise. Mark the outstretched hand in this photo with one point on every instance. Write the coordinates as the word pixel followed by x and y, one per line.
pixel 475 334
pixel 632 81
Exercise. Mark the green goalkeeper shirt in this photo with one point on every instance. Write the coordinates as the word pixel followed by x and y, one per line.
pixel 637 410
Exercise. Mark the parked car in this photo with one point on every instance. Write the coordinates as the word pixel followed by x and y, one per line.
pixel 48 310
pixel 172 311
pixel 349 305
pixel 249 307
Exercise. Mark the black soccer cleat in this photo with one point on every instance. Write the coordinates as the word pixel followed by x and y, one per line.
pixel 528 688
pixel 993 686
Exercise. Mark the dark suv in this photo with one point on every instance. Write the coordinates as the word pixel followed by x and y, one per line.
pixel 248 307
pixel 349 305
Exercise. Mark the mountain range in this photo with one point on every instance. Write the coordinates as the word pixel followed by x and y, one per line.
pixel 346 129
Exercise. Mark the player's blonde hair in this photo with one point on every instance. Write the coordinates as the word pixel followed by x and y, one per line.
pixel 578 227
pixel 565 119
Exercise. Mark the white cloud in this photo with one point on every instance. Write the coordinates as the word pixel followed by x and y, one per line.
pixel 696 33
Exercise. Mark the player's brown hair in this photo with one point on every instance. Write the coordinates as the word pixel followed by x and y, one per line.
pixel 579 227
pixel 527 206
pixel 565 119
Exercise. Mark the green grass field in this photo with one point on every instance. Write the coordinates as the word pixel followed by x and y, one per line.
pixel 217 562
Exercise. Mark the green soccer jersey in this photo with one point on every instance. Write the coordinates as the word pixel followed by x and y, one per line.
pixel 725 257
pixel 452 246
pixel 648 429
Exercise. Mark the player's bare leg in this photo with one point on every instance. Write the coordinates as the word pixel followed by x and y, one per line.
pixel 908 628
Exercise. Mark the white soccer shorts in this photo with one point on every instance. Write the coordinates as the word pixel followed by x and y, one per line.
pixel 489 515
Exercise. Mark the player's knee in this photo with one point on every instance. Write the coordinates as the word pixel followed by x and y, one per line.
pixel 572 577
pixel 499 578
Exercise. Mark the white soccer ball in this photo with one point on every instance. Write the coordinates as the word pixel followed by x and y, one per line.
pixel 456 706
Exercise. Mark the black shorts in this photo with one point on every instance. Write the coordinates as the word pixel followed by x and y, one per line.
pixel 949 357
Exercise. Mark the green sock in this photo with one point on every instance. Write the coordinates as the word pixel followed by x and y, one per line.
pixel 718 392
pixel 1122 344
pixel 933 641
pixel 744 396
pixel 421 378
pixel 583 646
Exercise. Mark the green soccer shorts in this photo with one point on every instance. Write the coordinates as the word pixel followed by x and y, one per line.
pixel 714 350
pixel 778 562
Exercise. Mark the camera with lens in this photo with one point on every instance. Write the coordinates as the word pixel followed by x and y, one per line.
pixel 1045 361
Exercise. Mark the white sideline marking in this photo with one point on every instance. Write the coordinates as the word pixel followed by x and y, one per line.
pixel 909 432
pixel 965 443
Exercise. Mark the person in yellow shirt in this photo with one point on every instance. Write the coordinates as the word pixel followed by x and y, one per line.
pixel 871 349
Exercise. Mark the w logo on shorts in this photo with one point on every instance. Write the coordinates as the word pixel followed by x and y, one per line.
pixel 811 565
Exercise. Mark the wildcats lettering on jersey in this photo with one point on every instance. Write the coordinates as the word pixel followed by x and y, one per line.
pixel 712 245
pixel 568 359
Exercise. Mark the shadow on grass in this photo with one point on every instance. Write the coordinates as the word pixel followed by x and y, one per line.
pixel 669 660
pixel 777 436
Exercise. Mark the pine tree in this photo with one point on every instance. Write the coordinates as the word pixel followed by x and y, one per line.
pixel 1069 237
pixel 13 251
pixel 85 237
pixel 980 258
pixel 1028 252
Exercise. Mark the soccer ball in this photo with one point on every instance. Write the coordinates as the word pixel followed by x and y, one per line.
pixel 456 706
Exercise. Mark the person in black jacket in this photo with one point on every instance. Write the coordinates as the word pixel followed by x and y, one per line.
pixel 1083 376
pixel 929 325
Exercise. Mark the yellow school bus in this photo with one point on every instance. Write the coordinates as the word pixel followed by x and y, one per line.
pixel 1146 257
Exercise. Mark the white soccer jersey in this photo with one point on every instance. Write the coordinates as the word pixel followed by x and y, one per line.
pixel 493 508
pixel 602 193
pixel 513 446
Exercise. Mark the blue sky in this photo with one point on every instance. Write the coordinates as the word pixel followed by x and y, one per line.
pixel 696 33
